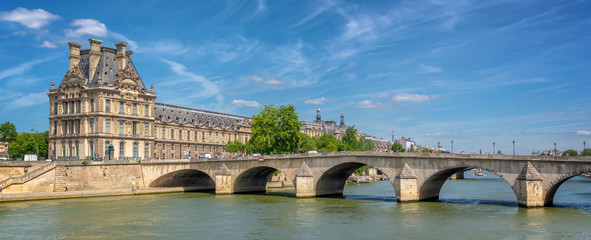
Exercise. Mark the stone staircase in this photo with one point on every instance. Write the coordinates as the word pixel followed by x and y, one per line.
pixel 25 178
pixel 60 179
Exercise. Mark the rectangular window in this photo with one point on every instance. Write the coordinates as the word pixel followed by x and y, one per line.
pixel 147 110
pixel 146 129
pixel 195 136
pixel 108 106
pixel 78 107
pixel 92 125
pixel 163 133
pixel 216 138
pixel 92 105
pixel 134 129
pixel 171 133
pixel 54 128
pixel 155 131
pixel 203 136
pixel 180 134
pixel 108 125
pixel 135 109
pixel 209 136
pixel 120 127
pixel 65 107
pixel 121 108
pixel 54 108
pixel 223 137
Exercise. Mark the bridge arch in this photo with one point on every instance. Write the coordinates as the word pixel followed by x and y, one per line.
pixel 431 188
pixel 193 180
pixel 332 181
pixel 555 185
pixel 253 179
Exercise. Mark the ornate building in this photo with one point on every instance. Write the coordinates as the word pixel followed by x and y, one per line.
pixel 319 127
pixel 102 108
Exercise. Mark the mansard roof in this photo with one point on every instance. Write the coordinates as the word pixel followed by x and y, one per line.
pixel 183 115
pixel 107 67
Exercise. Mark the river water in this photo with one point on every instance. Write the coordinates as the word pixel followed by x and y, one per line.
pixel 475 208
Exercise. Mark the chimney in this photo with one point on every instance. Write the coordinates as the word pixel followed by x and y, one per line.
pixel 74 55
pixel 121 59
pixel 342 119
pixel 94 56
pixel 318 118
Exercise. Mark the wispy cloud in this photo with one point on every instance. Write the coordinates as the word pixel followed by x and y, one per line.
pixel 245 103
pixel 408 97
pixel 28 100
pixel 34 19
pixel 320 8
pixel 132 44
pixel 583 132
pixel 370 104
pixel 429 69
pixel 22 68
pixel 87 27
pixel 271 82
pixel 47 44
pixel 207 89
pixel 318 101
pixel 164 47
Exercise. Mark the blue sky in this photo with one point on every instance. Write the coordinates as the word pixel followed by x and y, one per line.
pixel 468 71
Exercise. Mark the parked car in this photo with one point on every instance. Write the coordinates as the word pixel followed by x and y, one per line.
pixel 205 155
pixel 311 152
pixel 256 154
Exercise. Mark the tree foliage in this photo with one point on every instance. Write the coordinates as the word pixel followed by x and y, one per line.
pixel 570 152
pixel 8 132
pixel 307 143
pixel 26 143
pixel 397 147
pixel 235 146
pixel 586 152
pixel 275 130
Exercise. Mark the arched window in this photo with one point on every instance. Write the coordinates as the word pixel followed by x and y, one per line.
pixel 146 150
pixel 121 147
pixel 134 150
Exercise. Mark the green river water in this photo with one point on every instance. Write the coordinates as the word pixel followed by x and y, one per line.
pixel 475 208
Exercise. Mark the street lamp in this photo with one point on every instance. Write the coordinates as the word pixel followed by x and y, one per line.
pixel 513 147
pixel 494 148
pixel 583 143
pixel 555 149
pixel 452 146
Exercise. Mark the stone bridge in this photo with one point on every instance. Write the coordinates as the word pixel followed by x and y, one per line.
pixel 414 176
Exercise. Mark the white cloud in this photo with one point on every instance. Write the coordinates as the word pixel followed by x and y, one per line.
pixel 430 69
pixel 169 47
pixel 560 113
pixel 34 19
pixel 132 44
pixel 317 101
pixel 47 44
pixel 22 68
pixel 28 100
pixel 208 89
pixel 87 27
pixel 369 104
pixel 272 83
pixel 245 103
pixel 407 97
pixel 583 132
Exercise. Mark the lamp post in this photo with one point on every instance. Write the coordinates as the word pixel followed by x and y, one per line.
pixel 37 142
pixel 583 144
pixel 452 146
pixel 555 149
pixel 513 147
pixel 494 148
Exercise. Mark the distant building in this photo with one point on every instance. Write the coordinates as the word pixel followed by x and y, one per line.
pixel 102 108
pixel 3 149
pixel 407 143
pixel 319 127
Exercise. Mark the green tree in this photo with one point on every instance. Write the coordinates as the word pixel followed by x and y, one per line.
pixel 349 140
pixel 22 145
pixel 366 145
pixel 397 147
pixel 331 147
pixel 275 130
pixel 328 143
pixel 307 143
pixel 570 152
pixel 586 152
pixel 235 146
pixel 8 132
pixel 425 150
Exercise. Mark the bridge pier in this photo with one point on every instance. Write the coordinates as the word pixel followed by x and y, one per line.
pixel 223 181
pixel 304 182
pixel 458 175
pixel 528 187
pixel 406 185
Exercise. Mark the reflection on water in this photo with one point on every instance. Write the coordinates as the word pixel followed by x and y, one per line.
pixel 468 208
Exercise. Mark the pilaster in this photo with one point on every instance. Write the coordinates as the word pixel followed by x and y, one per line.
pixel 528 187
pixel 223 180
pixel 406 185
pixel 304 182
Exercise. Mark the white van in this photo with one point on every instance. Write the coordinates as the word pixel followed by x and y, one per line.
pixel 205 155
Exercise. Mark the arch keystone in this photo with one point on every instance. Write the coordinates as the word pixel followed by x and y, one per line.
pixel 223 180
pixel 304 182
pixel 528 187
pixel 406 185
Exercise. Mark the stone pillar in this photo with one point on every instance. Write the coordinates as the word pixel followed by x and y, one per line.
pixel 406 185
pixel 94 56
pixel 223 180
pixel 74 58
pixel 528 187
pixel 458 175
pixel 121 59
pixel 304 182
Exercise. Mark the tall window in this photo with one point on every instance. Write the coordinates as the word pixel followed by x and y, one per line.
pixel 108 105
pixel 55 108
pixel 134 150
pixel 134 128
pixel 146 150
pixel 209 134
pixel 91 149
pixel 120 127
pixel 77 152
pixel 147 110
pixel 70 145
pixel 171 133
pixel 92 125
pixel 135 109
pixel 78 107
pixel 223 137
pixel 121 108
pixel 155 131
pixel 195 136
pixel 180 134
pixel 121 150
pixel 216 137
pixel 146 129
pixel 92 105
pixel 108 125
pixel 203 136
pixel 163 133
pixel 54 127
pixel 65 107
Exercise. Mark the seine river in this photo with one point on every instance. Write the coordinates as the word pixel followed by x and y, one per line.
pixel 483 208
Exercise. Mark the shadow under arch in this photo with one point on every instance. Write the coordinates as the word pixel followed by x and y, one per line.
pixel 551 193
pixel 431 188
pixel 332 182
pixel 253 180
pixel 192 180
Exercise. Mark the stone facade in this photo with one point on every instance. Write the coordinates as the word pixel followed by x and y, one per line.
pixel 102 101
